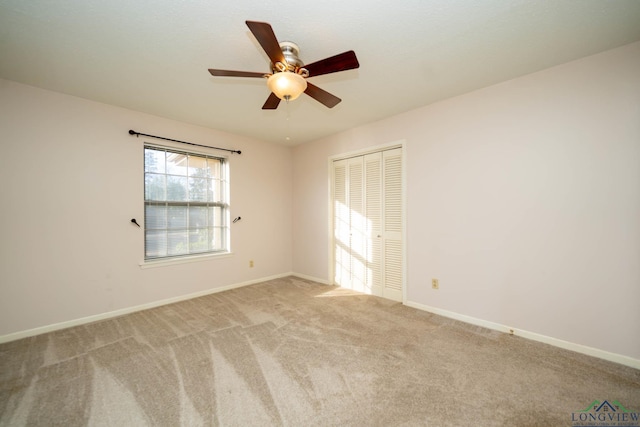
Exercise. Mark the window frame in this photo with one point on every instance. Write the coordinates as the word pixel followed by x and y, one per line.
pixel 223 204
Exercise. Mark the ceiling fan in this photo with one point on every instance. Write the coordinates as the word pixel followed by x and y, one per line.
pixel 287 79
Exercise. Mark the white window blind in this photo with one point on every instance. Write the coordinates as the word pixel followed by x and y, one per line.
pixel 185 204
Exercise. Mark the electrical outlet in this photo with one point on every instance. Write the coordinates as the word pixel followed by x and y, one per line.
pixel 251 264
pixel 435 284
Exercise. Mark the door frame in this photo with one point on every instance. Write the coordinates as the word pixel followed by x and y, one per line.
pixel 330 228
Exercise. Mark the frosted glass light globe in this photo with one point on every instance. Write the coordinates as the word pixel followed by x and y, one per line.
pixel 287 85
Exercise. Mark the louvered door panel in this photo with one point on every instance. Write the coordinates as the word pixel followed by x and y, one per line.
pixel 358 224
pixel 373 212
pixel 341 225
pixel 393 224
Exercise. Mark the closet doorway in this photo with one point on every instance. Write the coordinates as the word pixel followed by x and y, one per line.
pixel 368 223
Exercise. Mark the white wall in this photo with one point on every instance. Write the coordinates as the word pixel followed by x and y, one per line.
pixel 523 199
pixel 72 178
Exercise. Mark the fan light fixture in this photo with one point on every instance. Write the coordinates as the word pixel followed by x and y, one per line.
pixel 287 85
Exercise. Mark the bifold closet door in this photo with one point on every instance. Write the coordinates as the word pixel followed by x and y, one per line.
pixel 350 224
pixel 341 226
pixel 373 213
pixel 367 208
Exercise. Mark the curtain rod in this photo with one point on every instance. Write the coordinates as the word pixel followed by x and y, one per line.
pixel 137 134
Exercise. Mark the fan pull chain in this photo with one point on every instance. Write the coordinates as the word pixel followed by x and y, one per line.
pixel 288 117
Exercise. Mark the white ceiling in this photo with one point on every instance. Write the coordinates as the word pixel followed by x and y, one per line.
pixel 153 55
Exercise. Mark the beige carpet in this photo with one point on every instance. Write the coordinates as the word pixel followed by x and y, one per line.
pixel 292 352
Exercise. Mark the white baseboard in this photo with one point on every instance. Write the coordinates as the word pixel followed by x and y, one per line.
pixel 313 279
pixel 579 348
pixel 84 320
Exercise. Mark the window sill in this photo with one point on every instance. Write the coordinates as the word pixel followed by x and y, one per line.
pixel 183 260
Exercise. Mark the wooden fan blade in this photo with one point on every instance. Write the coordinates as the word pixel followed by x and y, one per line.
pixel 341 62
pixel 272 102
pixel 267 39
pixel 322 96
pixel 229 73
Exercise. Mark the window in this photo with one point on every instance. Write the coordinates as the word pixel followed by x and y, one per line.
pixel 185 203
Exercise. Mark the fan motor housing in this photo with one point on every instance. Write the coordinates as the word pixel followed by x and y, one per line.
pixel 290 50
